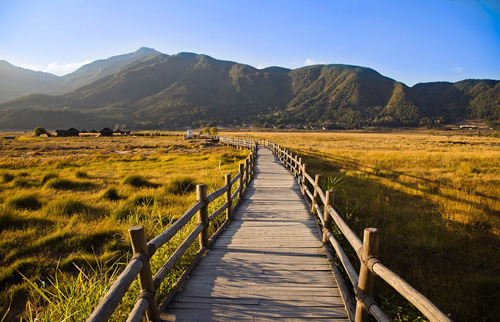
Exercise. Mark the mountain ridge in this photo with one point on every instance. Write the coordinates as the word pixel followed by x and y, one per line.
pixel 188 89
pixel 37 82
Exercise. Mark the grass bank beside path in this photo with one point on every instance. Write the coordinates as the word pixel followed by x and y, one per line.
pixel 66 205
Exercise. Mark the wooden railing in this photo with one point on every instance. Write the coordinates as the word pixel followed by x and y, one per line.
pixel 139 265
pixel 366 251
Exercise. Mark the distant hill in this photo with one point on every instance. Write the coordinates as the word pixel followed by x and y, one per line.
pixel 17 82
pixel 102 67
pixel 162 91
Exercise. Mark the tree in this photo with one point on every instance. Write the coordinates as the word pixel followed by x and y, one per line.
pixel 39 131
pixel 214 130
pixel 206 130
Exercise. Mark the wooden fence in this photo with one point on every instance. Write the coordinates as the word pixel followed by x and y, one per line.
pixel 366 251
pixel 139 265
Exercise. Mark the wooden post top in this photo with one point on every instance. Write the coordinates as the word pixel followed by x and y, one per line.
pixel 201 192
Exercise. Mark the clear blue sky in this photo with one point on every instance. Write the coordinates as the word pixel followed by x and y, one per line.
pixel 411 41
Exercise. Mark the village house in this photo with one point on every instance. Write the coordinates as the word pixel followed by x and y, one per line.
pixel 66 133
pixel 106 132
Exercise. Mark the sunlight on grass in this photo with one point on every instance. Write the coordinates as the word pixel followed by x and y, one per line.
pixel 66 205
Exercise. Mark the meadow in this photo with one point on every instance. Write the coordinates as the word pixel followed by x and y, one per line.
pixel 66 205
pixel 434 196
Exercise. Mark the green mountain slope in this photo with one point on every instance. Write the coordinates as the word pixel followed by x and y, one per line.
pixel 158 91
pixel 16 82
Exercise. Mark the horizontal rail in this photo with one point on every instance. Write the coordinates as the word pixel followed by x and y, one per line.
pixel 415 297
pixel 236 177
pixel 218 212
pixel 309 178
pixel 235 193
pixel 115 294
pixel 320 214
pixel 165 269
pixel 351 237
pixel 216 194
pixel 321 194
pixel 308 193
pixel 165 236
pixel 140 308
pixel 351 272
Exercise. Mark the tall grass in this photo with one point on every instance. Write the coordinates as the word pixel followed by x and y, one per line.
pixel 81 217
pixel 65 297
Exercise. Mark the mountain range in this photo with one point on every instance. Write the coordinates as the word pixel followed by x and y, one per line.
pixel 150 90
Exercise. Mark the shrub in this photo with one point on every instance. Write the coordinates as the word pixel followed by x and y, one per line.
pixel 180 185
pixel 49 176
pixel 68 206
pixel 81 174
pixel 132 206
pixel 214 130
pixel 65 184
pixel 23 183
pixel 138 181
pixel 26 201
pixel 40 130
pixel 7 177
pixel 111 194
pixel 142 200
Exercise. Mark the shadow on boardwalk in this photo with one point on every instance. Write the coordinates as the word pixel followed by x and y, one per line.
pixel 268 264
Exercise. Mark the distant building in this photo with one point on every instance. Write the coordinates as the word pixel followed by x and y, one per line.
pixel 66 133
pixel 106 132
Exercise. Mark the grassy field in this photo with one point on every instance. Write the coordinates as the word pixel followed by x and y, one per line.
pixel 435 198
pixel 66 206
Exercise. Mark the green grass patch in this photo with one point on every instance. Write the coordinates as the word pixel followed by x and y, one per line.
pixel 48 177
pixel 82 174
pixel 68 206
pixel 180 185
pixel 138 181
pixel 66 184
pixel 111 194
pixel 25 201
pixel 23 182
pixel 7 177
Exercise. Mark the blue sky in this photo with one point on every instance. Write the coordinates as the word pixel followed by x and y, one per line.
pixel 411 41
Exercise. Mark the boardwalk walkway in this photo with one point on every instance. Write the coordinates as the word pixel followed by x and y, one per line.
pixel 268 265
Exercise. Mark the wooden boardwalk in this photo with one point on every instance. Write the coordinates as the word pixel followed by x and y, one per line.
pixel 269 264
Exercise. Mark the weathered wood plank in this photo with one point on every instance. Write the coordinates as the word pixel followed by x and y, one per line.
pixel 269 264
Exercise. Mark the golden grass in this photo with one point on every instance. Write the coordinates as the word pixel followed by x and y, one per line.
pixel 435 198
pixel 58 211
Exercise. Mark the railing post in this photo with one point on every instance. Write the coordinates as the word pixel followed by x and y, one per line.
pixel 295 162
pixel 304 166
pixel 254 161
pixel 314 201
pixel 139 245
pixel 201 195
pixel 241 167
pixel 247 179
pixel 228 195
pixel 328 219
pixel 365 284
pixel 300 172
pixel 250 164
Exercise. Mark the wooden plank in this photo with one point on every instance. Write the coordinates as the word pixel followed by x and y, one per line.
pixel 237 313
pixel 269 264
